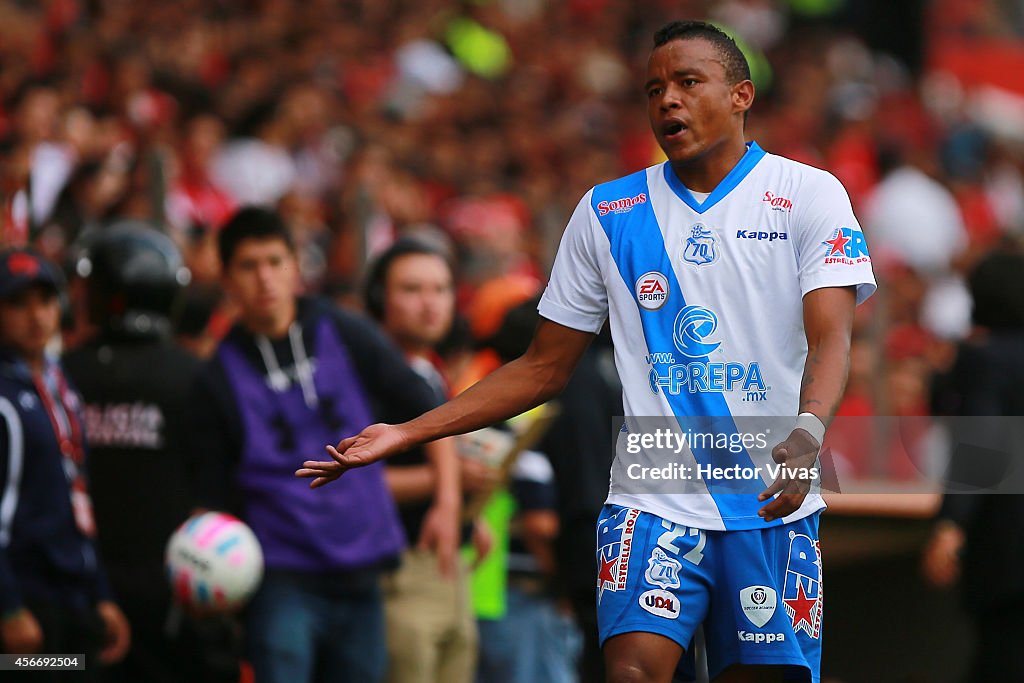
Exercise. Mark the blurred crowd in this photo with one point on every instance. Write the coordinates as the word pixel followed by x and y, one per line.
pixel 482 123
pixel 475 127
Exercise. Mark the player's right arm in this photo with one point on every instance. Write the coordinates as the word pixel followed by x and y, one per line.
pixel 533 378
pixel 573 310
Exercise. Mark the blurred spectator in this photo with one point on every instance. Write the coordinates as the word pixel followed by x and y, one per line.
pixel 256 167
pixel 913 219
pixel 194 199
pixel 578 453
pixel 432 635
pixel 977 538
pixel 54 595
pixel 135 385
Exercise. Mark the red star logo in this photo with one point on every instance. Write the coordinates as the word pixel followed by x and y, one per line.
pixel 838 244
pixel 802 607
pixel 606 571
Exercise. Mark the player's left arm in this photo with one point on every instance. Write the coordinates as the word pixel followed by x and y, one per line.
pixel 828 322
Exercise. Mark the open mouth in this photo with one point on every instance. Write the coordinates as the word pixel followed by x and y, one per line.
pixel 672 129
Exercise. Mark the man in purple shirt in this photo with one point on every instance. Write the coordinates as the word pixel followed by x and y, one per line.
pixel 293 372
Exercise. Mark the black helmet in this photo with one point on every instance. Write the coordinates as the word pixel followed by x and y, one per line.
pixel 134 273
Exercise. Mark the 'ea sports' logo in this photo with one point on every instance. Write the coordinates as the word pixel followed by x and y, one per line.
pixel 692 326
pixel 652 290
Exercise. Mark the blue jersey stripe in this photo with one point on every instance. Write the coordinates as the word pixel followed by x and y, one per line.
pixel 637 247
pixel 740 171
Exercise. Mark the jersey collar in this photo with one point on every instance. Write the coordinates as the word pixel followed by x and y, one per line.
pixel 740 171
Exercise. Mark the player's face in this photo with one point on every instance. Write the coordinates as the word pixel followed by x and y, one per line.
pixel 262 278
pixel 419 300
pixel 29 319
pixel 690 103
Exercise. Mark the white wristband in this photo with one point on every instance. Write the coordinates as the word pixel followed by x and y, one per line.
pixel 812 424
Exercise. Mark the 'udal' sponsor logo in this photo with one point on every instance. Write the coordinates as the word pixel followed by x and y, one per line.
pixel 660 603
pixel 621 205
pixel 652 290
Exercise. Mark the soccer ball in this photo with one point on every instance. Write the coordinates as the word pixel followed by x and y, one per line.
pixel 214 562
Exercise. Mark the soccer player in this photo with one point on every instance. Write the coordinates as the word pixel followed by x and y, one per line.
pixel 727 273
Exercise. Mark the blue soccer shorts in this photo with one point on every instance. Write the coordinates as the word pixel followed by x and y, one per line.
pixel 757 593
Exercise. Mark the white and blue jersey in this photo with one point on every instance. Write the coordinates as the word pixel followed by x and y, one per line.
pixel 705 307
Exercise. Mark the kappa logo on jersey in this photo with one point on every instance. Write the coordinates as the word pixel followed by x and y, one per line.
pixel 692 326
pixel 777 203
pixel 847 246
pixel 761 235
pixel 758 604
pixel 624 205
pixel 701 248
pixel 614 543
pixel 652 290
pixel 663 570
pixel 802 593
pixel 660 603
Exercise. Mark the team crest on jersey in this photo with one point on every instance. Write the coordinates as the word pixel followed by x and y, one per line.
pixel 652 290
pixel 701 247
pixel 614 544
pixel 663 570
pixel 802 593
pixel 847 246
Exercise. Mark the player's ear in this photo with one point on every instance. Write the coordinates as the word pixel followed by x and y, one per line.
pixel 742 96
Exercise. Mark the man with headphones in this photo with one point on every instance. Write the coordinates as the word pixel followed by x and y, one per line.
pixel 432 636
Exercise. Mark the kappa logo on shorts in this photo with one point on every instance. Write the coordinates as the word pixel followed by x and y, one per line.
pixel 766 638
pixel 802 593
pixel 660 603
pixel 614 544
pixel 663 570
pixel 758 604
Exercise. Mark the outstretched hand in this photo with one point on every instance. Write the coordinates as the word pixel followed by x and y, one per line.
pixel 374 443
